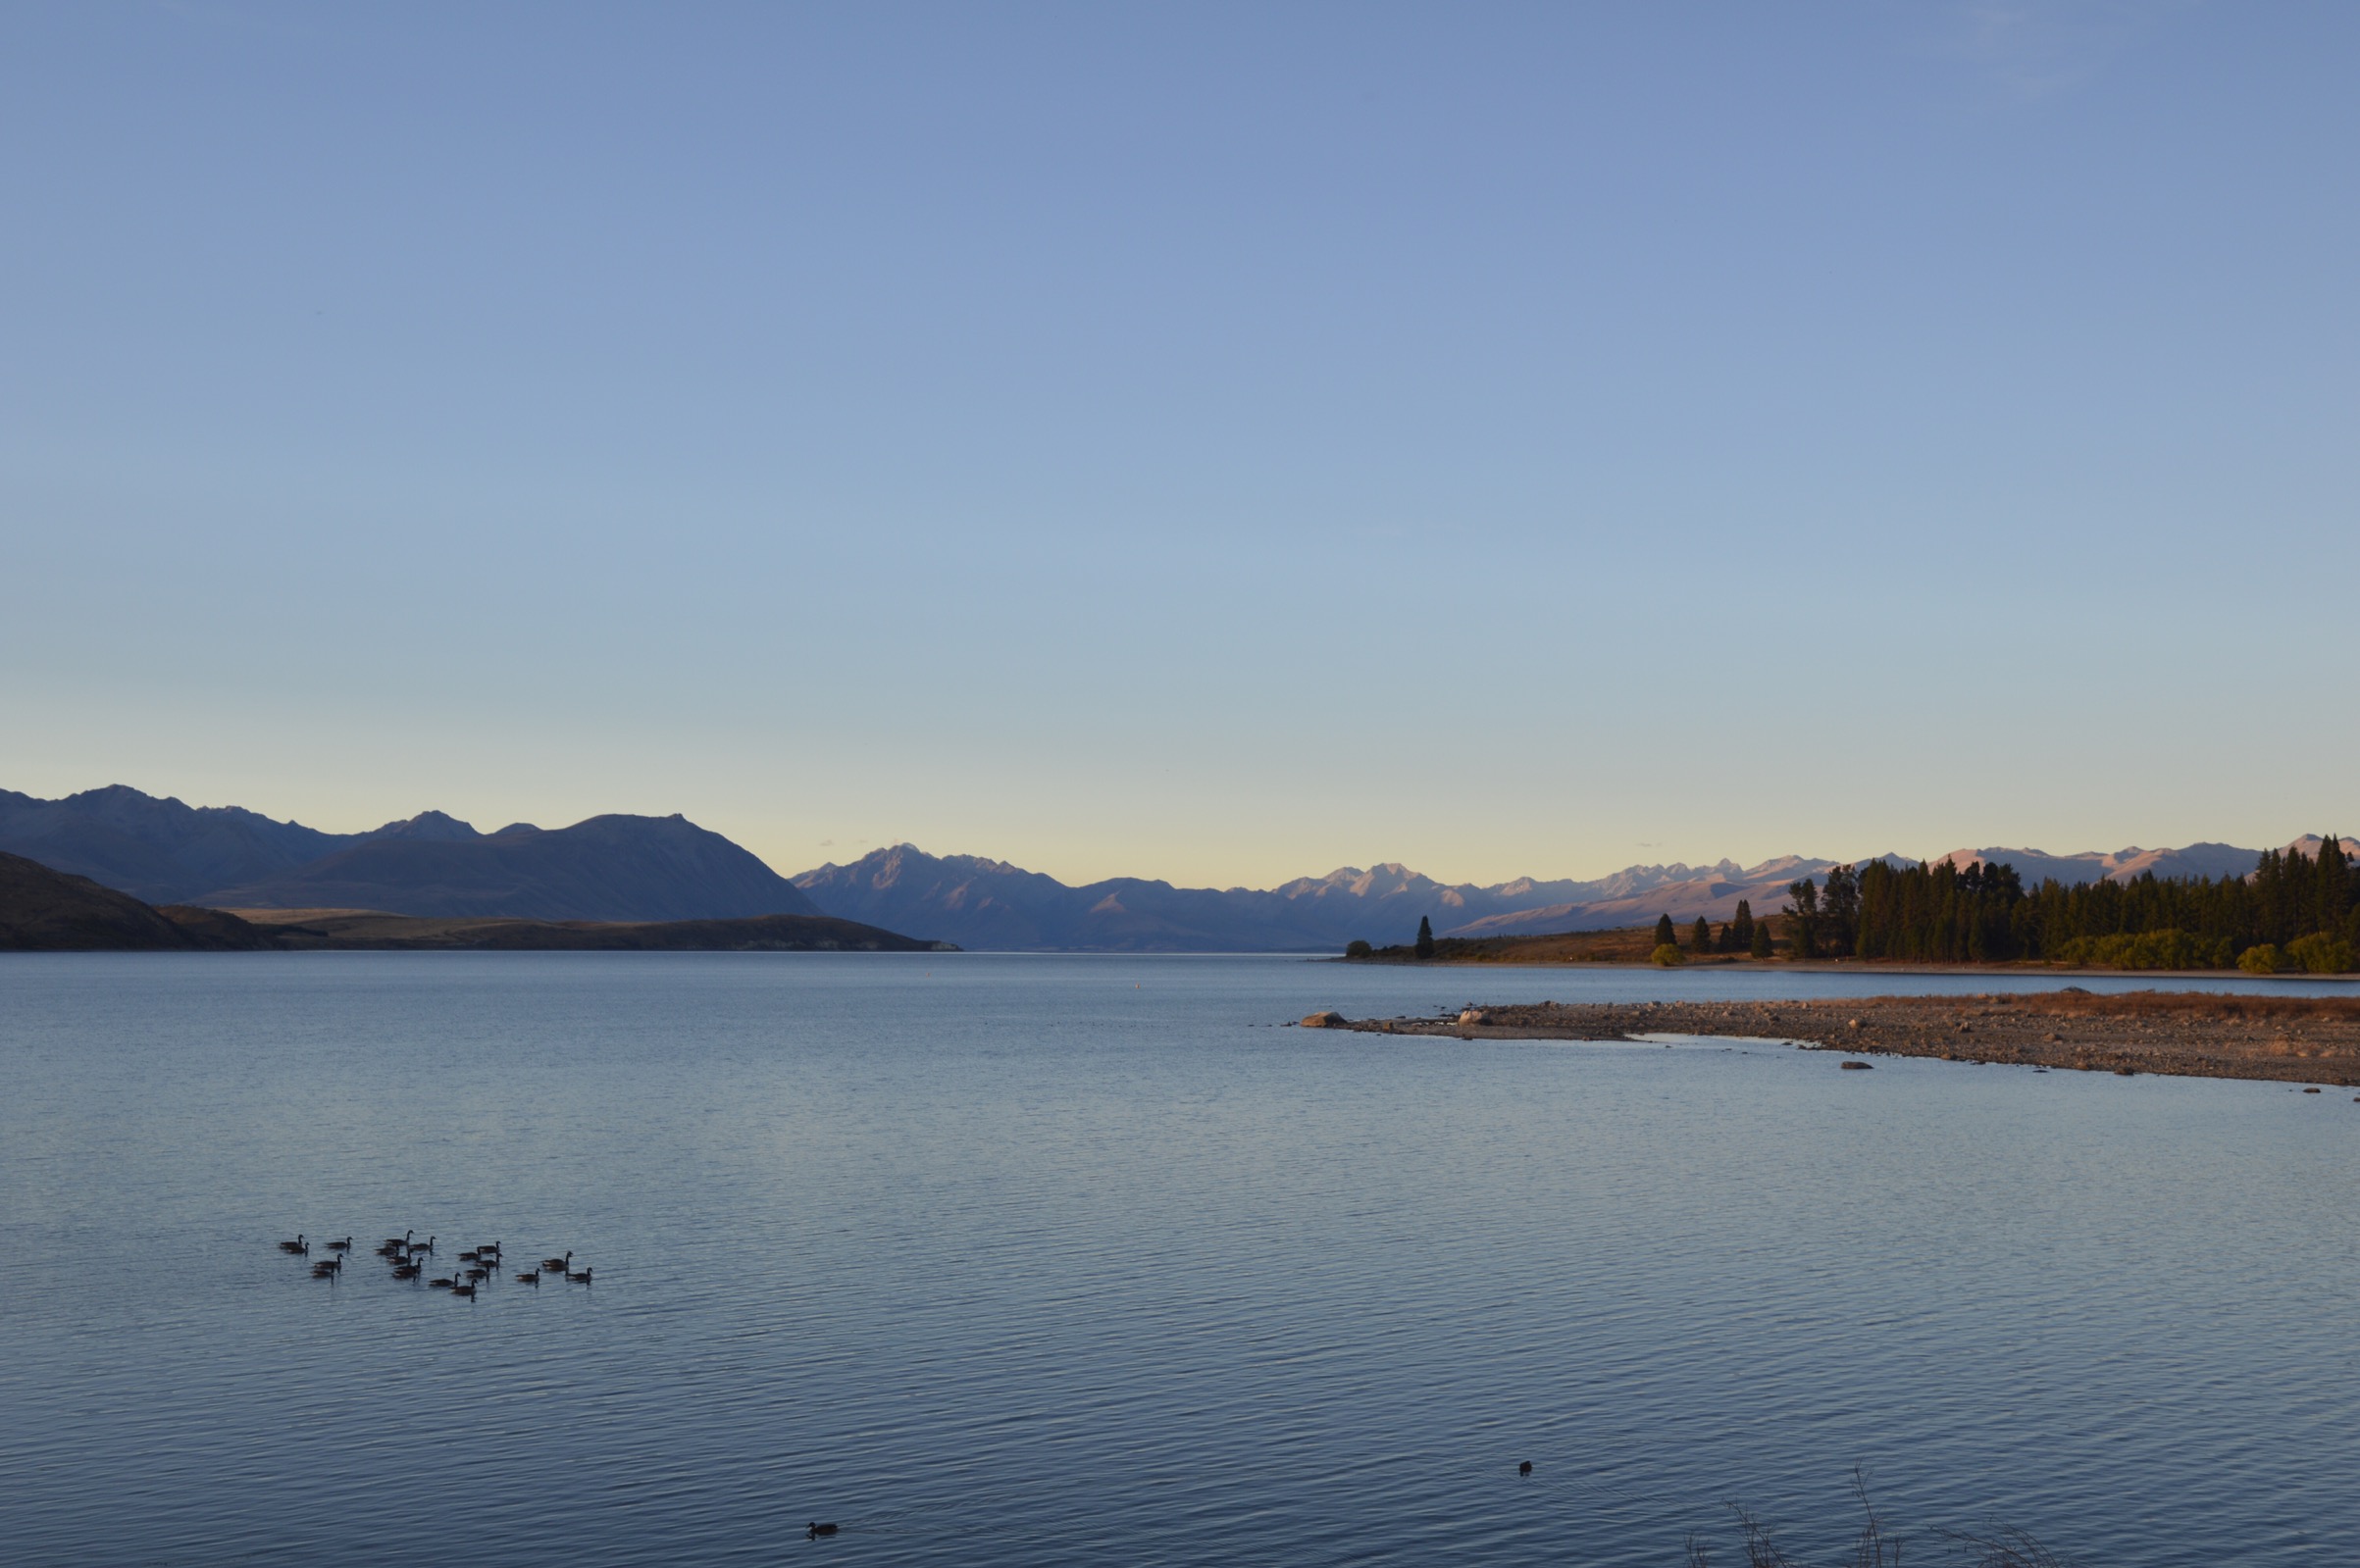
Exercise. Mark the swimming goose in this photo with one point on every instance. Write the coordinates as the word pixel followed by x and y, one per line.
pixel 468 1257
pixel 396 1244
pixel 580 1279
pixel 558 1265
pixel 477 1276
pixel 345 1245
pixel 444 1284
pixel 296 1245
pixel 327 1268
pixel 408 1271
pixel 529 1277
pixel 426 1245
pixel 466 1290
pixel 818 1529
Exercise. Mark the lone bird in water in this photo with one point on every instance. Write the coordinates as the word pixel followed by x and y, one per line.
pixel 818 1530
pixel 1525 1468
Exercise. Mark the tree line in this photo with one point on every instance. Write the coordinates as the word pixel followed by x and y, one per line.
pixel 2294 911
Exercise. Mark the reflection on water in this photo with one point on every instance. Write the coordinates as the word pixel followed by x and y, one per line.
pixel 1045 1261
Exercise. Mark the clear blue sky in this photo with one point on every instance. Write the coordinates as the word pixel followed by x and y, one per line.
pixel 1211 443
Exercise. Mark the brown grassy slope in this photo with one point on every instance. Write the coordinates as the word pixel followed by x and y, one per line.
pixel 373 929
pixel 1629 946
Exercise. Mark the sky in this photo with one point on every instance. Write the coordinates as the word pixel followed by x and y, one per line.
pixel 1212 442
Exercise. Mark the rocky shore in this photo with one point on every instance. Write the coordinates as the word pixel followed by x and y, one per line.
pixel 2306 1040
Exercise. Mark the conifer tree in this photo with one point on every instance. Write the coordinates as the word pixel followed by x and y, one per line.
pixel 1759 943
pixel 1425 938
pixel 1700 937
pixel 2335 899
pixel 1741 932
pixel 1803 918
pixel 1665 936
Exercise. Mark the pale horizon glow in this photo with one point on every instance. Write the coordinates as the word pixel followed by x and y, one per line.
pixel 1221 444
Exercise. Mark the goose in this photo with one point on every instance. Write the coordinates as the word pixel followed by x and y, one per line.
pixel 408 1271
pixel 296 1245
pixel 396 1243
pixel 529 1276
pixel 1525 1468
pixel 477 1276
pixel 489 1249
pixel 466 1290
pixel 818 1529
pixel 345 1245
pixel 444 1284
pixel 557 1265
pixel 426 1245
pixel 327 1268
pixel 580 1279
pixel 471 1257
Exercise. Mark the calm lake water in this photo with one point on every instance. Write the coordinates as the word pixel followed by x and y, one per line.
pixel 1033 1260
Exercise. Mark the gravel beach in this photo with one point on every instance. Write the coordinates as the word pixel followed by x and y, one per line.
pixel 2196 1033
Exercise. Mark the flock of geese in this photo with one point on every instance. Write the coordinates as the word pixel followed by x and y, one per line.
pixel 408 1255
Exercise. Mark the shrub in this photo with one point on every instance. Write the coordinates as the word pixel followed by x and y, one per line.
pixel 2320 954
pixel 1356 950
pixel 1670 955
pixel 2262 960
pixel 2170 948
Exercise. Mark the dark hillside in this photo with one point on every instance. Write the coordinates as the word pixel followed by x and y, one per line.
pixel 48 911
pixel 615 868
pixel 155 849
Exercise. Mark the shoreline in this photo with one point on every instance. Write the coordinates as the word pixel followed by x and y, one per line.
pixel 2301 1039
pixel 1783 966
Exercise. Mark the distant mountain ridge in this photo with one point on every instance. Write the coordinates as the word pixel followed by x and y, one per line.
pixel 612 868
pixel 628 867
pixel 991 904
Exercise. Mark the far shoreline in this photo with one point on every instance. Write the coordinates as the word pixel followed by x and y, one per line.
pixel 1787 966
pixel 2308 1041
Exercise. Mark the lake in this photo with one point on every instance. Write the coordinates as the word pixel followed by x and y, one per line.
pixel 1079 1260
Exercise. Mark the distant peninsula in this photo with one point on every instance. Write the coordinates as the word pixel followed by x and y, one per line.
pixel 42 910
pixel 2301 1039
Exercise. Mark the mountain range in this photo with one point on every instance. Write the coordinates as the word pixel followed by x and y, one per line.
pixel 612 868
pixel 629 868
pixel 982 903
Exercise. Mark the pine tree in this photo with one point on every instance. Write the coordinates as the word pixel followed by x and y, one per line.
pixel 2334 897
pixel 1742 936
pixel 1665 936
pixel 1803 918
pixel 1700 937
pixel 1425 938
pixel 1759 943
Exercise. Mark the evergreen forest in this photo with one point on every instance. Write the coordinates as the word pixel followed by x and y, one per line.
pixel 2296 912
